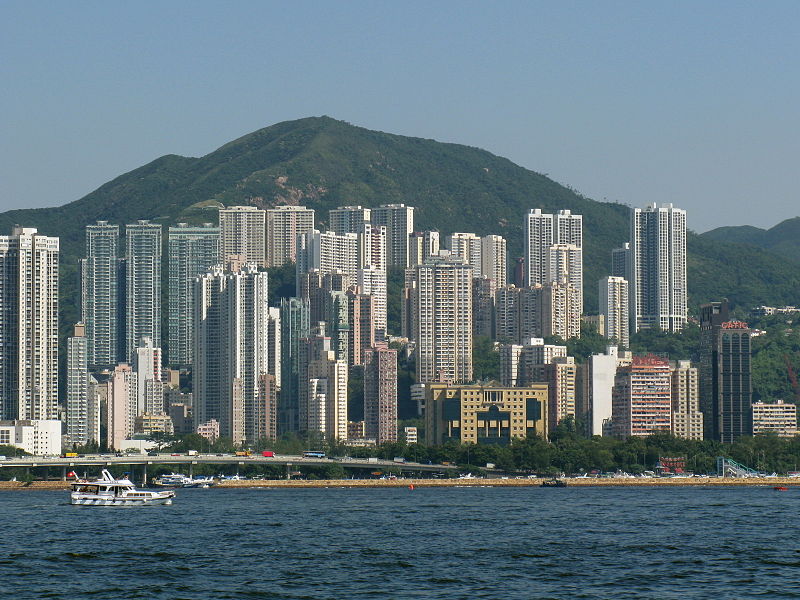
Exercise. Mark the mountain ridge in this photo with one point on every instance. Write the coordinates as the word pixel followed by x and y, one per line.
pixel 324 163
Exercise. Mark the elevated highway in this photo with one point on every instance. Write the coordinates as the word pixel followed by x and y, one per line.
pixel 186 463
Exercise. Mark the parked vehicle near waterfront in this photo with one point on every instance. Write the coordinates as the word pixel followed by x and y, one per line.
pixel 108 491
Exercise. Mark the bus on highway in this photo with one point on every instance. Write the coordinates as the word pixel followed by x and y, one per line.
pixel 313 454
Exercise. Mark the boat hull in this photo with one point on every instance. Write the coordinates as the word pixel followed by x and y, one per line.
pixel 119 501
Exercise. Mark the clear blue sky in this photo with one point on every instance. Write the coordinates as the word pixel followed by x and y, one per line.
pixel 695 103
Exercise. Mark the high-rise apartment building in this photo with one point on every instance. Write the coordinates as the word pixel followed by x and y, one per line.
pixel 100 294
pixel 362 324
pixel 467 247
pixel 421 245
pixel 231 351
pixel 243 233
pixel 77 405
pixel 191 251
pixel 483 293
pixel 143 285
pixel 560 307
pixel 613 306
pixel 599 383
pixel 29 282
pixel 322 389
pixel 372 240
pixel 274 352
pixel 295 326
pixel 399 222
pixel 565 265
pixel 121 410
pixel 327 252
pixel 620 261
pixel 443 320
pixel 657 268
pixel 687 420
pixel 560 374
pixel 493 259
pixel 642 398
pixel 372 281
pixel 349 219
pixel 380 393
pixel 284 225
pixel 150 389
pixel 518 362
pixel 543 230
pixel 725 374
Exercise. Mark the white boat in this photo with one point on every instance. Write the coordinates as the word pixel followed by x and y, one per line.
pixel 108 491
pixel 200 481
pixel 173 480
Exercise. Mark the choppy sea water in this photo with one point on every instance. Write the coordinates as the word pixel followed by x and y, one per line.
pixel 398 543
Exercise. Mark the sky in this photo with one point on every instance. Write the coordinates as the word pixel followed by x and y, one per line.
pixel 694 103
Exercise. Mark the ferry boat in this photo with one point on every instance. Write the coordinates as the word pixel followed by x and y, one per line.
pixel 108 491
pixel 173 480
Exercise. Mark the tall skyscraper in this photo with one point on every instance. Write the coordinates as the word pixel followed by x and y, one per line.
pixel 100 294
pixel 657 278
pixel 362 324
pixel 242 233
pixel 349 219
pixel 380 393
pixel 77 405
pixel 322 387
pixel 143 285
pixel 28 325
pixel 620 261
pixel 493 259
pixel 565 265
pixel 372 242
pixel 443 320
pixel 613 305
pixel 725 374
pixel 284 224
pixel 231 351
pixel 542 230
pixel 399 222
pixel 192 251
pixel 295 326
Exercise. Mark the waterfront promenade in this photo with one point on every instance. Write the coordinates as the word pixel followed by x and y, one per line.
pixel 470 482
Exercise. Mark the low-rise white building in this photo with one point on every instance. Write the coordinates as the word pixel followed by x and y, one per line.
pixel 779 417
pixel 41 438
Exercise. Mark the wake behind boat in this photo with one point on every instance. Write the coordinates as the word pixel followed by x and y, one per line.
pixel 108 491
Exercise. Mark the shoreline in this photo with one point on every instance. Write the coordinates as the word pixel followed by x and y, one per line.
pixel 431 483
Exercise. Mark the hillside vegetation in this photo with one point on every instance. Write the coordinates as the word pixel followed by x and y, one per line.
pixel 323 163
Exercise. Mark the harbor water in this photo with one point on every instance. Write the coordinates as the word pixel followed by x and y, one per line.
pixel 444 543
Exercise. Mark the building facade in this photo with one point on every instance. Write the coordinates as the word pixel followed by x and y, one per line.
pixel 29 281
pixel 100 293
pixel 143 285
pixel 484 414
pixel 657 263
pixel 399 222
pixel 443 320
pixel 284 225
pixel 243 234
pixel 191 251
pixel 613 306
pixel 726 394
pixel 380 393
pixel 642 398
pixel 687 420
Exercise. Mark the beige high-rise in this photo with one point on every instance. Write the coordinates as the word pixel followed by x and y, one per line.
pixel 284 224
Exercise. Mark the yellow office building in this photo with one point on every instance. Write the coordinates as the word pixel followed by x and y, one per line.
pixel 484 414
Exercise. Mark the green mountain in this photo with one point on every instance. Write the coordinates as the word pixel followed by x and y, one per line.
pixel 783 239
pixel 324 163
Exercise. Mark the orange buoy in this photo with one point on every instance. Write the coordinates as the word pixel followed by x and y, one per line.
pixel 411 487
